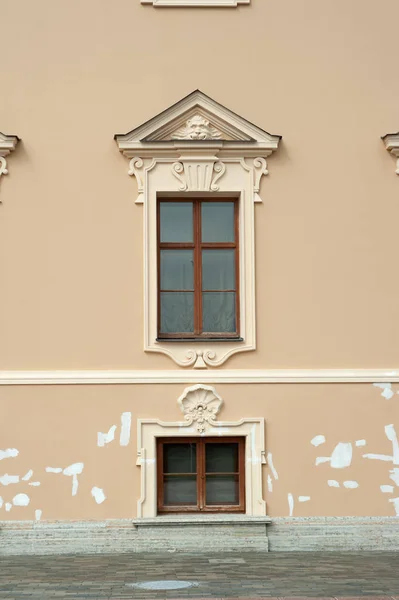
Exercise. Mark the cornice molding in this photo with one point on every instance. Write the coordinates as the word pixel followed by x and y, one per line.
pixel 8 143
pixel 192 376
pixel 391 141
pixel 196 3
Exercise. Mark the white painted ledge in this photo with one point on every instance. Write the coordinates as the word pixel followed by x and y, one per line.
pixel 193 376
pixel 198 519
pixel 196 3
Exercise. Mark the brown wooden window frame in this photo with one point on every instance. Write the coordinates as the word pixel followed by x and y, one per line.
pixel 201 474
pixel 197 246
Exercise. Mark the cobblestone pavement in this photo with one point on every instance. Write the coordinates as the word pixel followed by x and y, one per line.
pixel 254 575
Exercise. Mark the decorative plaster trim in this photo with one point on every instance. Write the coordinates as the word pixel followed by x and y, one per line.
pixel 200 405
pixel 391 141
pixel 8 143
pixel 204 3
pixel 191 376
pixel 198 146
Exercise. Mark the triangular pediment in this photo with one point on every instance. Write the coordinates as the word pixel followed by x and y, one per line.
pixel 196 118
pixel 198 124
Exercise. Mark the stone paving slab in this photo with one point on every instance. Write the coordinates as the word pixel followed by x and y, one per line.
pixel 288 576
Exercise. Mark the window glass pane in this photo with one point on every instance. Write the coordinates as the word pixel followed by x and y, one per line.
pixel 180 458
pixel 221 458
pixel 219 312
pixel 177 312
pixel 218 270
pixel 222 489
pixel 217 221
pixel 177 270
pixel 176 221
pixel 180 490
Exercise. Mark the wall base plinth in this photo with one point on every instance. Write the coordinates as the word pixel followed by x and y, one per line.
pixel 209 533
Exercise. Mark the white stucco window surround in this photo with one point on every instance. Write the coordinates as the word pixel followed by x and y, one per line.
pixel 391 141
pixel 8 143
pixel 204 3
pixel 201 405
pixel 199 148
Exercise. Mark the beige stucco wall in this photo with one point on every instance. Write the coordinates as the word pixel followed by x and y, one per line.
pixel 321 74
pixel 56 426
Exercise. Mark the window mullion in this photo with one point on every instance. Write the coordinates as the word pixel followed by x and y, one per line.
pixel 237 264
pixel 197 269
pixel 200 271
pixel 200 474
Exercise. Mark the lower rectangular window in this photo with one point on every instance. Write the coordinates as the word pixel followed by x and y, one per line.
pixel 201 475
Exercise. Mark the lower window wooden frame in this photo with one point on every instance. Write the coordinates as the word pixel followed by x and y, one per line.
pixel 201 506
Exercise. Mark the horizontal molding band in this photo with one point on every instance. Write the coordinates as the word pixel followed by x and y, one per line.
pixel 104 377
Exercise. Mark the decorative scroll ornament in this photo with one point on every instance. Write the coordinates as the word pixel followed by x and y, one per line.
pixel 138 168
pixel 8 143
pixel 260 169
pixel 198 175
pixel 178 172
pixel 220 169
pixel 197 128
pixel 3 166
pixel 200 405
pixel 391 141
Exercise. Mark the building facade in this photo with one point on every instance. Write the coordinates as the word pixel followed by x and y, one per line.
pixel 199 318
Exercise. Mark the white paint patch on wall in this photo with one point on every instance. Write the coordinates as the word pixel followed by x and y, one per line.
pixel 35 483
pixel 126 422
pixel 7 479
pixel 333 483
pixel 391 435
pixel 38 514
pixel 383 457
pixel 360 443
pixel 8 506
pixel 269 483
pixel 1 501
pixel 53 470
pixel 291 504
pixel 73 471
pixel 9 453
pixel 271 465
pixel 98 495
pixel 322 459
pixel 351 485
pixel 21 500
pixel 318 440
pixel 28 475
pixel 395 502
pixel 303 498
pixel 106 438
pixel 394 475
pixel 386 489
pixel 386 388
pixel 340 458
pixel 342 455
